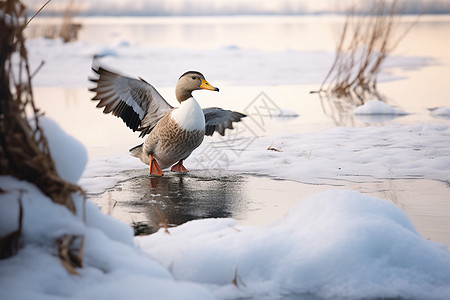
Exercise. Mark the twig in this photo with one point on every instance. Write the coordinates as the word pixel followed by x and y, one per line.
pixel 42 7
pixel 37 69
pixel 273 149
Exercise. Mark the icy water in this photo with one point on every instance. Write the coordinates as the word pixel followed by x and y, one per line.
pixel 254 200
pixel 149 203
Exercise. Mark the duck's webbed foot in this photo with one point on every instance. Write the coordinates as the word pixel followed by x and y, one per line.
pixel 154 167
pixel 179 167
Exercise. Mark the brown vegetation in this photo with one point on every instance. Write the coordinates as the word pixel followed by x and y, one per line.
pixel 24 152
pixel 364 43
pixel 67 29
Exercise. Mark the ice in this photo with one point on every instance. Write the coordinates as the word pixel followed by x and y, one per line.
pixel 104 172
pixel 163 65
pixel 336 244
pixel 391 151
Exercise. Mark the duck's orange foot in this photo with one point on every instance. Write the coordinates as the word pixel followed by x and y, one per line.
pixel 179 167
pixel 154 167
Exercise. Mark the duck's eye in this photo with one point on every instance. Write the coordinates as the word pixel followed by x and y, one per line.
pixel 193 77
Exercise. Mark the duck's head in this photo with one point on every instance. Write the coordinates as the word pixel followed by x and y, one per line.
pixel 189 82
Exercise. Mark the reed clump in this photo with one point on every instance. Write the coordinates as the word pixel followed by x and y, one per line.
pixel 24 150
pixel 67 29
pixel 364 43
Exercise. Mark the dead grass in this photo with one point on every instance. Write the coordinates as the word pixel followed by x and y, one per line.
pixel 273 148
pixel 237 281
pixel 24 151
pixel 67 29
pixel 364 43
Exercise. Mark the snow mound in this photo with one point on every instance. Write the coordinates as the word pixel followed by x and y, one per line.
pixel 112 267
pixel 377 107
pixel 286 113
pixel 440 112
pixel 69 154
pixel 336 244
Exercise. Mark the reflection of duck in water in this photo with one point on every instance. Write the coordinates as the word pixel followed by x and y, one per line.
pixel 174 200
pixel 173 133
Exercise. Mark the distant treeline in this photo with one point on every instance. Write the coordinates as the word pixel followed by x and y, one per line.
pixel 229 7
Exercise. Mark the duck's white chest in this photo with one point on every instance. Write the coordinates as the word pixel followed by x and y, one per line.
pixel 189 116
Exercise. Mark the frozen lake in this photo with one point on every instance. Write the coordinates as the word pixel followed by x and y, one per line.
pixel 250 199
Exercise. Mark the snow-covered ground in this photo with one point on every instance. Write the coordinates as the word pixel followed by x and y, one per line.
pixel 164 65
pixel 334 245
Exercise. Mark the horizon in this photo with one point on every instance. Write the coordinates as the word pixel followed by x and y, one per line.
pixel 194 8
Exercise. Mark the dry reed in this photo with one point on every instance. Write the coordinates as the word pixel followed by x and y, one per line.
pixel 364 43
pixel 24 151
pixel 67 29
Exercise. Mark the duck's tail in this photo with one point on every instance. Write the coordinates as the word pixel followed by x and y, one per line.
pixel 136 151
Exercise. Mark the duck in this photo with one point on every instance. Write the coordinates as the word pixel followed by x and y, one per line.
pixel 171 133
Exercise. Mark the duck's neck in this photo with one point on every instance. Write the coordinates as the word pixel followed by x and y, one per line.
pixel 182 94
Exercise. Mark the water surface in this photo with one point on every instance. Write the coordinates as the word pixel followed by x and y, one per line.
pixel 149 203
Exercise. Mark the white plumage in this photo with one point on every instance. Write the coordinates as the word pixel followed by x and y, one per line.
pixel 189 115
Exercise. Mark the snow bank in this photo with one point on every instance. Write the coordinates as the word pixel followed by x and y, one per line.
pixel 113 267
pixel 377 107
pixel 336 244
pixel 69 154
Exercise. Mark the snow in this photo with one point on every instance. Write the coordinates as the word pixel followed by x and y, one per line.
pixel 113 268
pixel 250 66
pixel 69 154
pixel 105 172
pixel 391 151
pixel 377 107
pixel 440 112
pixel 336 244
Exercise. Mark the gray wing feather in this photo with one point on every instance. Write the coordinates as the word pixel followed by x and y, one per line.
pixel 135 101
pixel 218 119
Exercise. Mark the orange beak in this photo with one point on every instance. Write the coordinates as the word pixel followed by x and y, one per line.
pixel 205 85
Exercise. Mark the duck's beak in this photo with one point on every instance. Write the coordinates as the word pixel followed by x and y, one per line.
pixel 205 85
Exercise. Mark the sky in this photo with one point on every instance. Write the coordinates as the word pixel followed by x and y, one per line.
pixel 224 7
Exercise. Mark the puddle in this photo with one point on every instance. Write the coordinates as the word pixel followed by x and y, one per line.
pixel 148 203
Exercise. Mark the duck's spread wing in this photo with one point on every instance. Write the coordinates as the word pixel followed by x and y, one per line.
pixel 135 101
pixel 217 119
